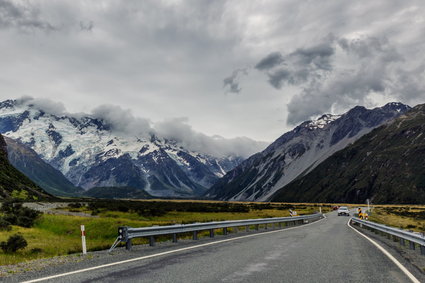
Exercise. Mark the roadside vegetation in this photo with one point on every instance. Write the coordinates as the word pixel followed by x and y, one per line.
pixel 55 234
pixel 51 234
pixel 404 217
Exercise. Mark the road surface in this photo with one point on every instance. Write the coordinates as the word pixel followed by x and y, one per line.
pixel 324 251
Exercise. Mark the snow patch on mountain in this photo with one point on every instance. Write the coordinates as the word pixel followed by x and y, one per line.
pixel 90 154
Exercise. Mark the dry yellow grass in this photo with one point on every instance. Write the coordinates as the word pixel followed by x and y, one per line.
pixel 405 217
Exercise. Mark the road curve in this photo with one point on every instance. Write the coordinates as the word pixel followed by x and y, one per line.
pixel 320 252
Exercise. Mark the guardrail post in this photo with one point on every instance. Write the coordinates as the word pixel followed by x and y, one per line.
pixel 128 245
pixel 247 228
pixel 195 235
pixel 257 226
pixel 152 241
pixel 402 242
pixel 280 225
pixel 225 231
pixel 266 226
pixel 411 245
pixel 422 250
pixel 174 238
pixel 211 233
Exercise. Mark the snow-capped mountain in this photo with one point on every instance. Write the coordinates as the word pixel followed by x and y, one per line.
pixel 298 152
pixel 90 154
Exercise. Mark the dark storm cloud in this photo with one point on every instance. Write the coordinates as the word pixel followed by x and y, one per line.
pixel 24 16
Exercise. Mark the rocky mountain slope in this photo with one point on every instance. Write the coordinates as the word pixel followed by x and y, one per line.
pixel 44 175
pixel 117 193
pixel 298 152
pixel 386 166
pixel 90 153
pixel 14 184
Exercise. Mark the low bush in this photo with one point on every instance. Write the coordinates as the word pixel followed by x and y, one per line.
pixel 14 243
pixel 4 225
pixel 16 214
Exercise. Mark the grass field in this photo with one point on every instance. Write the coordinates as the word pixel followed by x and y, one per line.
pixel 54 235
pixel 405 217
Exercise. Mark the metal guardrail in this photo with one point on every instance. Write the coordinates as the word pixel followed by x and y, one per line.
pixel 126 234
pixel 397 234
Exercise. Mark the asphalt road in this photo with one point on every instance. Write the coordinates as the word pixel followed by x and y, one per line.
pixel 325 251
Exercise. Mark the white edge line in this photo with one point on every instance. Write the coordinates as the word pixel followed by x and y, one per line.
pixel 166 253
pixel 385 252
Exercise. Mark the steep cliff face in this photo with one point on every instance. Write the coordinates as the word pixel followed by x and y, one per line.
pixel 385 166
pixel 298 152
pixel 14 184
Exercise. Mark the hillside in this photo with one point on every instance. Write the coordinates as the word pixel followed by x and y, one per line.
pixel 299 151
pixel 117 193
pixel 15 184
pixel 386 166
pixel 44 175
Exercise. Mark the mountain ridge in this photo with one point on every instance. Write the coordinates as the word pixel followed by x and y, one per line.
pixel 14 184
pixel 298 152
pixel 89 153
pixel 385 166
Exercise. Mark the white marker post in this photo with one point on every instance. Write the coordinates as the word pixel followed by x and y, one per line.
pixel 320 209
pixel 83 239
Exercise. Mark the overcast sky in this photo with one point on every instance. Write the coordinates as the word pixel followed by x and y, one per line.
pixel 228 68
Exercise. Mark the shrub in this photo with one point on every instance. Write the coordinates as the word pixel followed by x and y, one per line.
pixel 75 205
pixel 14 243
pixel 4 225
pixel 16 214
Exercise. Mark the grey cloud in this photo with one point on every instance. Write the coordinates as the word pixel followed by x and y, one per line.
pixel 47 105
pixel 270 61
pixel 86 26
pixel 178 129
pixel 319 55
pixel 123 121
pixel 231 83
pixel 24 16
pixel 298 67
pixel 375 67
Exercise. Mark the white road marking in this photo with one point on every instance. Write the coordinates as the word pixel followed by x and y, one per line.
pixel 393 259
pixel 165 253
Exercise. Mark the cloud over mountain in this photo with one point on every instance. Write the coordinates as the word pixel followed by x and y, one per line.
pixel 340 72
pixel 123 122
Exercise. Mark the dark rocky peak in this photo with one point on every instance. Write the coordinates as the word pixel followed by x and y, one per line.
pixel 13 122
pixel 358 118
pixel 396 106
pixel 7 103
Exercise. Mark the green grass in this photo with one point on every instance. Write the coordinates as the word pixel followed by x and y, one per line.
pixel 54 235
